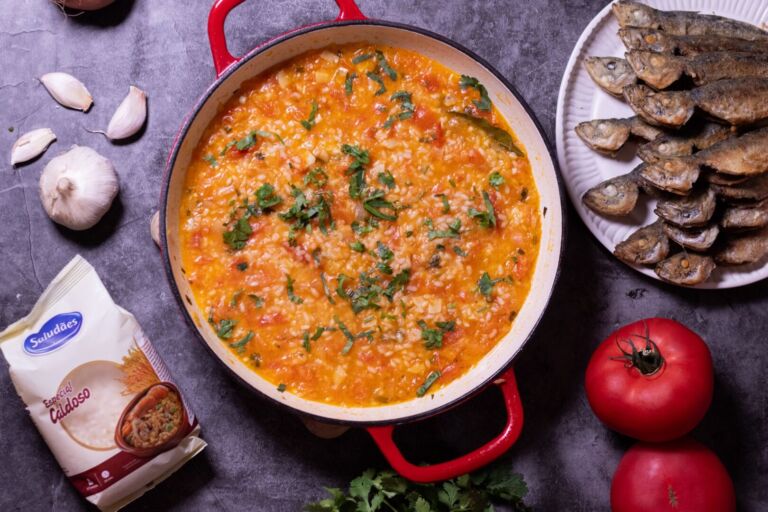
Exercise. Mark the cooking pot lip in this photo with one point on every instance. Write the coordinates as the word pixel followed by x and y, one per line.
pixel 475 389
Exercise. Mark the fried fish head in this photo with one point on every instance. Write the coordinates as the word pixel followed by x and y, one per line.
pixel 656 69
pixel 688 269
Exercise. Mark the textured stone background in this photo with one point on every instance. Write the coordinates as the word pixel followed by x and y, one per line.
pixel 262 458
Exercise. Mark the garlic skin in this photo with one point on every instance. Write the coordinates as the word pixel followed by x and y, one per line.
pixel 84 5
pixel 78 187
pixel 154 227
pixel 31 144
pixel 67 90
pixel 129 116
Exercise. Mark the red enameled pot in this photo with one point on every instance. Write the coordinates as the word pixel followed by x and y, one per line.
pixel 352 26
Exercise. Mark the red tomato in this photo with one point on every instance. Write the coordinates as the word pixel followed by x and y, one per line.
pixel 677 476
pixel 651 380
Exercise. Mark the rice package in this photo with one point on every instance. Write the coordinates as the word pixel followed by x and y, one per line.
pixel 97 391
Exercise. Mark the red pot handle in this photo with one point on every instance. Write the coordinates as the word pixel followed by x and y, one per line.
pixel 222 59
pixel 466 463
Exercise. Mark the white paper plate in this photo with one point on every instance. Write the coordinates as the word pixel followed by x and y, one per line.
pixel 581 100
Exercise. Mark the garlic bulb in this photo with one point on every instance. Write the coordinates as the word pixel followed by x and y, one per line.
pixel 154 227
pixel 67 90
pixel 129 116
pixel 31 144
pixel 77 187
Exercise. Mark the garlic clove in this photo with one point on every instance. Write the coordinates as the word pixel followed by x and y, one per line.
pixel 78 187
pixel 154 227
pixel 129 116
pixel 67 90
pixel 31 145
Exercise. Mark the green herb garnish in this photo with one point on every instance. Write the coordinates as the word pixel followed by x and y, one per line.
pixel 246 142
pixel 386 491
pixel 257 301
pixel 385 253
pixel 326 290
pixel 453 231
pixel 496 180
pixel 224 328
pixel 310 122
pixel 303 211
pixel 485 285
pixel 433 338
pixel 281 387
pixel 406 108
pixel 384 65
pixel 375 202
pixel 289 288
pixel 350 337
pixel 431 378
pixel 357 246
pixel 242 342
pixel 377 78
pixel 242 266
pixel 356 169
pixel 348 83
pixel 446 204
pixel 487 218
pixel 238 235
pixel 316 177
pixel 500 136
pixel 211 160
pixel 399 282
pixel 362 58
pixel 458 250
pixel 387 179
pixel 484 103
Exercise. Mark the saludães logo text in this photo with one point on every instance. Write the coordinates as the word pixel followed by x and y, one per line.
pixel 54 333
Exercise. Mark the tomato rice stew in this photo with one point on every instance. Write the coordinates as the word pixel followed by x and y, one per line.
pixel 360 224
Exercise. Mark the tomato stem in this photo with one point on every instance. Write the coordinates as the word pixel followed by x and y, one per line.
pixel 648 360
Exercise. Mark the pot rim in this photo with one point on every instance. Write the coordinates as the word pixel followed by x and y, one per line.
pixel 254 53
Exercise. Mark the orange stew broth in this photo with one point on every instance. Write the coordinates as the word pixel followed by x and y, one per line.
pixel 441 284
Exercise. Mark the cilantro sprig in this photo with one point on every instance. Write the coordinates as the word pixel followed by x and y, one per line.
pixel 484 103
pixel 386 491
pixel 487 218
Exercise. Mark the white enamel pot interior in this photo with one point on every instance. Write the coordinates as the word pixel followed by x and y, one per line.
pixel 510 106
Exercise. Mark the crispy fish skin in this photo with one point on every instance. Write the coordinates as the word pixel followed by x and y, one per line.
pixel 662 70
pixel 754 189
pixel 675 175
pixel 670 109
pixel 671 145
pixel 746 216
pixel 737 101
pixel 746 155
pixel 693 210
pixel 616 196
pixel 697 239
pixel 687 46
pixel 688 269
pixel 633 14
pixel 609 135
pixel 750 247
pixel 646 246
pixel 610 73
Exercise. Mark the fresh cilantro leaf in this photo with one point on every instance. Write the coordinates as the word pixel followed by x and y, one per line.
pixel 211 160
pixel 484 103
pixel 384 65
pixel 238 235
pixel 239 345
pixel 356 169
pixel 385 253
pixel 487 218
pixel 375 202
pixel 485 285
pixel 224 328
pixel 350 337
pixel 303 212
pixel 257 301
pixel 309 123
pixel 399 282
pixel 433 338
pixel 246 142
pixel 326 290
pixel 377 78
pixel 362 58
pixel 496 180
pixel 281 387
pixel 289 288
pixel 348 81
pixel 316 177
pixel 431 378
pixel 305 341
pixel 357 246
pixel 446 204
pixel 242 266
pixel 458 250
pixel 387 179
pixel 453 231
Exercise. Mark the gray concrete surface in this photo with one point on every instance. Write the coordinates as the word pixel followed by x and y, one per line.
pixel 262 458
